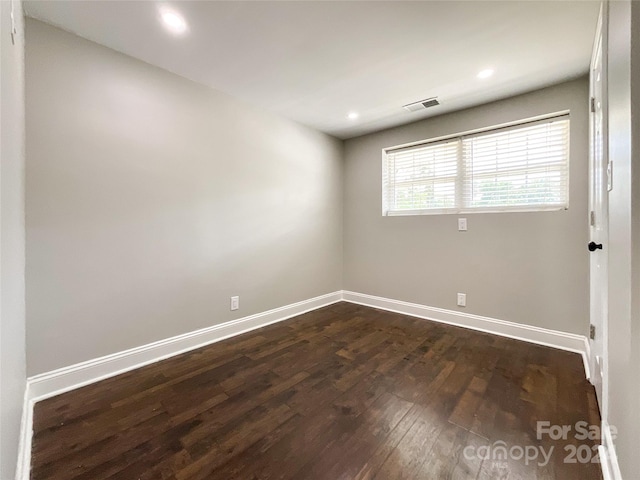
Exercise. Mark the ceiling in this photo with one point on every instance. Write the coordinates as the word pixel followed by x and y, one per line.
pixel 314 62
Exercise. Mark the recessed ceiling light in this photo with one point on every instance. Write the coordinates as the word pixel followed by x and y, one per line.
pixel 352 115
pixel 486 73
pixel 173 21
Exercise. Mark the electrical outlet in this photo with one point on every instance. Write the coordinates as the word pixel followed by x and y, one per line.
pixel 462 224
pixel 235 303
pixel 462 299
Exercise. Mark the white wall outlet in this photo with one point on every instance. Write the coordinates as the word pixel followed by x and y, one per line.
pixel 462 224
pixel 462 299
pixel 235 303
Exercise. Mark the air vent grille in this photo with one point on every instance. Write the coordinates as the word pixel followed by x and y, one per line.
pixel 422 104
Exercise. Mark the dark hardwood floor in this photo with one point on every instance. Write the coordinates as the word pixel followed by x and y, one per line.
pixel 344 392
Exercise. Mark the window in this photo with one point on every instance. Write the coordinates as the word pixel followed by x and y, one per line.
pixel 522 167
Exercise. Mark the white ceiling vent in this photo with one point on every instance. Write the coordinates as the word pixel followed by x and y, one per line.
pixel 422 104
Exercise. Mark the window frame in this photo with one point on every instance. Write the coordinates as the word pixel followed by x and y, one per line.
pixel 460 178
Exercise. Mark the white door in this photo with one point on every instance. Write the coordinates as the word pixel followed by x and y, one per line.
pixel 599 185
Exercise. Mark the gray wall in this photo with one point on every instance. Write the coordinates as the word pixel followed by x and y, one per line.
pixel 12 316
pixel 151 200
pixel 530 268
pixel 624 232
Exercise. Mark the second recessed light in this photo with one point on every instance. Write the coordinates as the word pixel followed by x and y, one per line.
pixel 486 73
pixel 173 21
pixel 352 115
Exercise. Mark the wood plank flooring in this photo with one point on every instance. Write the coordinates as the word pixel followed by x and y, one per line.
pixel 343 392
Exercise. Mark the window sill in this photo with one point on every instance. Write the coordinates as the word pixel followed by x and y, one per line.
pixel 469 211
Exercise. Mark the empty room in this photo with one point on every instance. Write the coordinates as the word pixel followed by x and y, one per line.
pixel 328 240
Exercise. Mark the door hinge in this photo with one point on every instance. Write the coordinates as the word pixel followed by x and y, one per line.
pixel 14 30
pixel 592 104
pixel 592 218
pixel 592 332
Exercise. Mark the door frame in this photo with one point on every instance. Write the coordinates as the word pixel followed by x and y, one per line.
pixel 601 283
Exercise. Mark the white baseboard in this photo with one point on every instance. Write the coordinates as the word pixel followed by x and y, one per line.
pixel 541 336
pixel 69 378
pixel 75 376
pixel 586 358
pixel 23 468
pixel 608 457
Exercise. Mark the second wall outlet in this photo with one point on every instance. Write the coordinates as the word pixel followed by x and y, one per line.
pixel 462 224
pixel 235 303
pixel 462 299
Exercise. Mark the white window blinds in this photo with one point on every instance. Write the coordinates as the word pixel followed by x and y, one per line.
pixel 521 167
pixel 423 177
